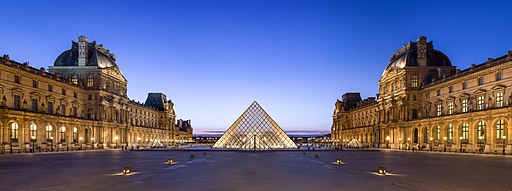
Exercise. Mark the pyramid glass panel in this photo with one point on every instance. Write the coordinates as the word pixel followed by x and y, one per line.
pixel 255 130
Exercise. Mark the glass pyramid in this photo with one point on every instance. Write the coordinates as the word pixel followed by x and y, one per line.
pixel 255 130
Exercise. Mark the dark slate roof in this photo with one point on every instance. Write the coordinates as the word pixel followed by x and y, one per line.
pixel 97 56
pixel 156 100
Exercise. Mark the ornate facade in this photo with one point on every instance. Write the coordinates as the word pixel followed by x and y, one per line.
pixel 81 102
pixel 424 102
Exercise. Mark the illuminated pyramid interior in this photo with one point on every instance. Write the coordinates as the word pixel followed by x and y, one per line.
pixel 255 130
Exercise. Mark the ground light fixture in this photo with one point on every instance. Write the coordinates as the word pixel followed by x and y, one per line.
pixel 170 160
pixel 387 141
pixel 382 170
pixel 338 161
pixel 127 170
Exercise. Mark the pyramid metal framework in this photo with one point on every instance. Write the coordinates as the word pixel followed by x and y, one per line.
pixel 255 130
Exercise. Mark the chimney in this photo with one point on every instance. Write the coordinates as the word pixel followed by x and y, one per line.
pixel 421 46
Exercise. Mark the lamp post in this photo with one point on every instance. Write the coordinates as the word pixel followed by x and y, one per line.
pixel 409 143
pixel 504 143
pixel 387 140
pixel 33 144
pixel 67 143
pixel 92 140
pixel 444 138
pixel 80 138
pixel 431 143
pixel 10 143
pixel 116 138
pixel 460 138
pixel 399 143
pixel 51 145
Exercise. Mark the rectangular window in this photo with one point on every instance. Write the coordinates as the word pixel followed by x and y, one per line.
pixel 63 110
pixel 90 81
pixel 50 107
pixel 480 104
pixel 450 108
pixel 481 81
pixel 499 99
pixel 438 92
pixel 415 113
pixel 439 109
pixel 17 79
pixel 75 112
pixel 498 76
pixel 89 97
pixel 34 105
pixel 75 135
pixel 63 91
pixel 393 87
pixel 75 95
pixel 465 105
pixel 50 88
pixel 500 129
pixel 34 84
pixel 464 85
pixel 414 81
pixel 450 89
pixel 17 102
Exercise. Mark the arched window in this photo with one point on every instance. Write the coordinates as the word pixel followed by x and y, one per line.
pixel 48 134
pixel 465 131
pixel 14 132
pixel 75 135
pixel 500 129
pixel 74 79
pixel 481 130
pixel 90 81
pixel 425 135
pixel 33 131
pixel 438 132
pixel 62 134
pixel 450 132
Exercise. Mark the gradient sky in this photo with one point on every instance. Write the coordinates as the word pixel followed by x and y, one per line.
pixel 213 58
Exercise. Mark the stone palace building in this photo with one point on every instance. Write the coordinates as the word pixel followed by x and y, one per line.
pixel 80 103
pixel 424 102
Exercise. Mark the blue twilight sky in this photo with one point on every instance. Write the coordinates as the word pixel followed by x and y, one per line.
pixel 213 58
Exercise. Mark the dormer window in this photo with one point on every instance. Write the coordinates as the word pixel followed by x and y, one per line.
pixel 414 81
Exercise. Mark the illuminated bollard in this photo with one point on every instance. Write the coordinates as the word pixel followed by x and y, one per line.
pixel 382 170
pixel 170 160
pixel 127 170
pixel 338 161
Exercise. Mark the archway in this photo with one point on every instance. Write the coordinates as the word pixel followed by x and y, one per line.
pixel 415 135
pixel 87 135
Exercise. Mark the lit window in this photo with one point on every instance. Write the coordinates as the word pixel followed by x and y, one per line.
pixel 438 132
pixel 33 130
pixel 465 131
pixel 74 79
pixel 414 81
pixel 75 134
pixel 90 81
pixel 465 105
pixel 499 99
pixel 63 134
pixel 450 108
pixel 49 129
pixel 500 129
pixel 480 102
pixel 450 131
pixel 481 130
pixel 439 109
pixel 14 132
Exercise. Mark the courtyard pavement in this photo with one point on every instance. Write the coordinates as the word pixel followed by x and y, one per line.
pixel 230 170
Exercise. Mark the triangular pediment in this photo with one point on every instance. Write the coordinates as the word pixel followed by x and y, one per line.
pixel 255 130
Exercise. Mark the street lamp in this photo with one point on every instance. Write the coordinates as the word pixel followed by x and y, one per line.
pixel 431 143
pixel 387 139
pixel 51 145
pixel 92 146
pixel 138 142
pixel 460 138
pixel 409 142
pixel 33 144
pixel 116 138
pixel 80 138
pixel 444 144
pixel 399 143
pixel 504 143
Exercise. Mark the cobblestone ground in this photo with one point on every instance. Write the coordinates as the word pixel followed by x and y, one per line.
pixel 223 170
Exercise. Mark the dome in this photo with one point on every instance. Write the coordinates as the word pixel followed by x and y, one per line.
pixel 96 55
pixel 408 56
